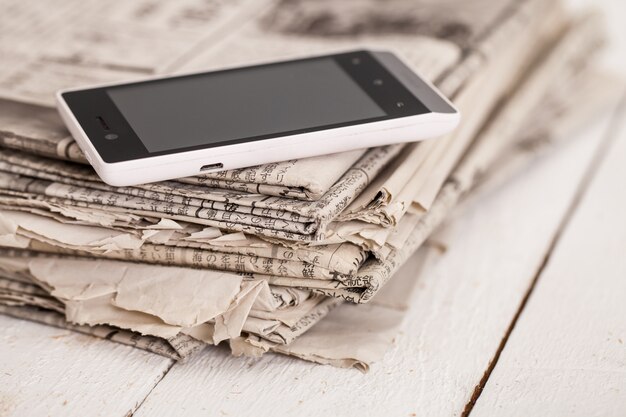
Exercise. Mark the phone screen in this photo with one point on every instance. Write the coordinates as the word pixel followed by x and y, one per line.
pixel 222 106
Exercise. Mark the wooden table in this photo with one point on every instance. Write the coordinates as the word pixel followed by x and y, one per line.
pixel 524 314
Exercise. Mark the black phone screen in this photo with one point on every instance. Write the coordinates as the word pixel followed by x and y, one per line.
pixel 219 107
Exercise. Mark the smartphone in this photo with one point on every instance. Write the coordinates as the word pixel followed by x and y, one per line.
pixel 172 127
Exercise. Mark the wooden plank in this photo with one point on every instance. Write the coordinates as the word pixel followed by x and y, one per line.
pixel 46 371
pixel 461 311
pixel 567 353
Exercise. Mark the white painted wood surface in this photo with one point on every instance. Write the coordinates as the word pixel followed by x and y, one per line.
pixel 563 363
pixel 46 371
pixel 567 353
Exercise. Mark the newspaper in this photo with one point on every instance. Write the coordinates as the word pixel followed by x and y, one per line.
pixel 364 277
pixel 338 280
pixel 273 217
pixel 333 340
pixel 162 302
pixel 351 335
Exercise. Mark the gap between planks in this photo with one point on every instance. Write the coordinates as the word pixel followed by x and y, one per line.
pixel 157 382
pixel 610 136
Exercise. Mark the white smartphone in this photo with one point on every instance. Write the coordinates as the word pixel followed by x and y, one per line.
pixel 179 126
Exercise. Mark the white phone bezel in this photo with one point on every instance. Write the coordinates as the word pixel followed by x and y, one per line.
pixel 188 163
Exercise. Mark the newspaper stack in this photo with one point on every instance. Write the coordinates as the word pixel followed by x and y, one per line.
pixel 273 257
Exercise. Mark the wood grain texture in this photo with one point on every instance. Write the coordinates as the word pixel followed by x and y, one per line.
pixel 462 309
pixel 567 353
pixel 46 371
